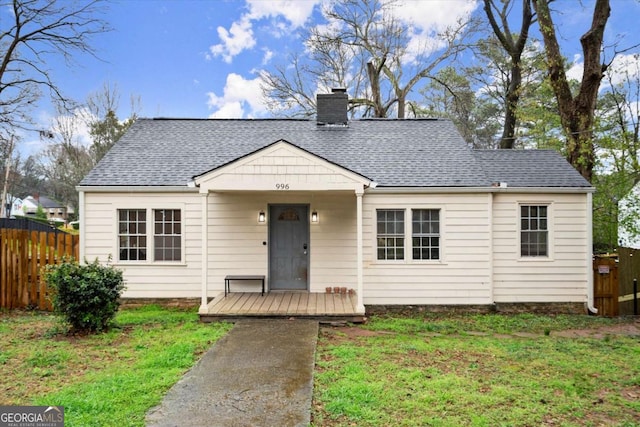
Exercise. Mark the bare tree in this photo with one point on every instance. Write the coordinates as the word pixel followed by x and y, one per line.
pixel 104 126
pixel 514 46
pixel 39 30
pixel 367 49
pixel 70 157
pixel 576 111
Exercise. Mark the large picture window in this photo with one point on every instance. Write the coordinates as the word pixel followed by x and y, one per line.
pixel 534 231
pixel 425 233
pixel 162 238
pixel 390 234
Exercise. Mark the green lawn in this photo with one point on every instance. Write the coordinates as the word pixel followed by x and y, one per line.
pixel 479 370
pixel 103 380
pixel 435 370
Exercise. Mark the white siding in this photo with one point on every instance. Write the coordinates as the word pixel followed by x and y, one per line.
pixel 236 238
pixel 560 277
pixel 461 276
pixel 281 167
pixel 150 280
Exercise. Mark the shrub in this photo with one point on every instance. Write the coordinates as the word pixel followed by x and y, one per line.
pixel 86 296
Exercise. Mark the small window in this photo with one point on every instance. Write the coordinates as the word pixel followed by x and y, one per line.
pixel 167 230
pixel 425 234
pixel 534 231
pixel 390 233
pixel 132 234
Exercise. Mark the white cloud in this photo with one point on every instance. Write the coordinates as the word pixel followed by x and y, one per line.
pixel 435 15
pixel 295 11
pixel 240 36
pixel 428 20
pixel 241 98
pixel 577 68
pixel 623 68
pixel 268 54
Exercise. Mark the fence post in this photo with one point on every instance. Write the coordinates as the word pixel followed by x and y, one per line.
pixel 635 297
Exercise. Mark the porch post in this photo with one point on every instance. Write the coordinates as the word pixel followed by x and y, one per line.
pixel 359 258
pixel 205 250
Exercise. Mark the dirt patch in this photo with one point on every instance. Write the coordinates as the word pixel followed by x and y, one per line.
pixel 624 329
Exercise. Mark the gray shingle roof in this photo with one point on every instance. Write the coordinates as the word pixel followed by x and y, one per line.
pixel 407 153
pixel 529 168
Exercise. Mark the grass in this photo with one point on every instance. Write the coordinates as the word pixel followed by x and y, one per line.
pixel 110 379
pixel 477 370
pixel 433 369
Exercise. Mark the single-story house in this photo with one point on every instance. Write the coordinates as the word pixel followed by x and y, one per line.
pixel 400 211
pixel 54 210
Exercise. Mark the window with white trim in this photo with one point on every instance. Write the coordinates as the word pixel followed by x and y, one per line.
pixel 425 234
pixel 163 239
pixel 132 234
pixel 167 230
pixel 390 234
pixel 534 231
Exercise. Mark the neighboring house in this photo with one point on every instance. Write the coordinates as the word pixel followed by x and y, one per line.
pixel 629 219
pixel 14 205
pixel 54 210
pixel 402 211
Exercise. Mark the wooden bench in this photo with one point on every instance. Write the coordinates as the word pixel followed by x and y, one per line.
pixel 230 278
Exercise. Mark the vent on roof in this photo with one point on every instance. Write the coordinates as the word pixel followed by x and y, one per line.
pixel 332 108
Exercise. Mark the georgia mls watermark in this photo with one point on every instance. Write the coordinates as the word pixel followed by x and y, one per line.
pixel 31 416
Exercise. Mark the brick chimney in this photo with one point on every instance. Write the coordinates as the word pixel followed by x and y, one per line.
pixel 332 107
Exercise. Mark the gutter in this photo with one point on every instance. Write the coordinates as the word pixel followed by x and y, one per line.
pixel 484 190
pixel 589 256
pixel 137 189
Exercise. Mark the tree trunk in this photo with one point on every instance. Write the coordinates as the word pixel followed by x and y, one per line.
pixel 374 78
pixel 513 96
pixel 576 114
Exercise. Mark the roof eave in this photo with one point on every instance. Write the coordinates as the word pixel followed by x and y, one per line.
pixel 481 189
pixel 137 189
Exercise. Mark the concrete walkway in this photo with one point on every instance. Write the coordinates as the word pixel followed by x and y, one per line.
pixel 259 374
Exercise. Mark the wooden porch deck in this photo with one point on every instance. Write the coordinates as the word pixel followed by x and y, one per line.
pixel 327 308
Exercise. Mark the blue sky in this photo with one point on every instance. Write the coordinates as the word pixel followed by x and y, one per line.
pixel 201 58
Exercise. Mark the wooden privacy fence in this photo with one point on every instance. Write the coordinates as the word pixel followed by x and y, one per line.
pixel 23 253
pixel 605 286
pixel 629 260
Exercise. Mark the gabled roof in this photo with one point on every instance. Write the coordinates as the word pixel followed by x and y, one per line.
pixel 43 201
pixel 393 153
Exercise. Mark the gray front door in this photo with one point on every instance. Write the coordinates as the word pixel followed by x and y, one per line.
pixel 288 247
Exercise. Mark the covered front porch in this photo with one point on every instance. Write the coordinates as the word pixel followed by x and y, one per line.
pixel 291 218
pixel 324 307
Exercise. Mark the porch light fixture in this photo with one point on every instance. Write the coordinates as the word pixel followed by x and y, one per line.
pixel 314 217
pixel 262 218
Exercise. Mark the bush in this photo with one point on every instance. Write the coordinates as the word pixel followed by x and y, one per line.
pixel 87 296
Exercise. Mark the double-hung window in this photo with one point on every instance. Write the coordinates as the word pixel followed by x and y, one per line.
pixel 390 233
pixel 132 234
pixel 166 238
pixel 162 238
pixel 534 231
pixel 425 234
pixel 423 238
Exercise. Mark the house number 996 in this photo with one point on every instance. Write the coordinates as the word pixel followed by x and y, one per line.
pixel 282 186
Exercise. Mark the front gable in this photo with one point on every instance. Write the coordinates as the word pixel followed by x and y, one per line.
pixel 280 166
